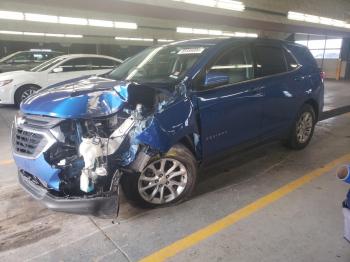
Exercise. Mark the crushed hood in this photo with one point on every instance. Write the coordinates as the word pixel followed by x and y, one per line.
pixel 93 97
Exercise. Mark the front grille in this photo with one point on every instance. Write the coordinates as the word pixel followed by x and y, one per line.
pixel 31 135
pixel 25 142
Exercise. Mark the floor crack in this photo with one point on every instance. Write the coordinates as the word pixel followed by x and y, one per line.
pixel 111 240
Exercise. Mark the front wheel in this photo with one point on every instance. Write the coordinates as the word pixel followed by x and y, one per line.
pixel 24 92
pixel 303 128
pixel 166 180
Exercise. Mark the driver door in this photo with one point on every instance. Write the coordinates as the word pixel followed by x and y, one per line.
pixel 230 112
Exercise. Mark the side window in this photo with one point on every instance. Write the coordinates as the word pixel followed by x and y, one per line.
pixel 38 57
pixel 290 60
pixel 77 64
pixel 22 58
pixel 103 63
pixel 269 60
pixel 237 64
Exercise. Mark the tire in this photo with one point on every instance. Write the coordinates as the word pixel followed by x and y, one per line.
pixel 303 128
pixel 182 184
pixel 23 92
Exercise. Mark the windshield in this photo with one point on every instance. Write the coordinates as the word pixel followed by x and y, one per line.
pixel 4 59
pixel 165 64
pixel 48 64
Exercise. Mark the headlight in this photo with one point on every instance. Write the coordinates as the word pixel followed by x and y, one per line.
pixel 19 119
pixel 5 82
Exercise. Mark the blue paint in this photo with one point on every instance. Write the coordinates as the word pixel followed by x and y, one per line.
pixel 216 119
pixel 93 97
pixel 40 168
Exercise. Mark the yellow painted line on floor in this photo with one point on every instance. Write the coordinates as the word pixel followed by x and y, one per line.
pixel 6 162
pixel 219 225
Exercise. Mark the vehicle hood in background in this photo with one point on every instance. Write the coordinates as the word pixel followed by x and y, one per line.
pixel 12 74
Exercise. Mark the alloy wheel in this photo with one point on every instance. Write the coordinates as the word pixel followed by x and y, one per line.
pixel 304 127
pixel 162 181
pixel 27 93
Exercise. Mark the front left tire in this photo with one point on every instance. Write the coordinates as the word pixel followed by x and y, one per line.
pixel 166 180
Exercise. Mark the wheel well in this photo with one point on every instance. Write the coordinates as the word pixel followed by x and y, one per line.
pixel 314 105
pixel 188 141
pixel 33 85
pixel 18 89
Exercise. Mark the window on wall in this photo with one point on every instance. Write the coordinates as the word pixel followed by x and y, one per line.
pixel 322 47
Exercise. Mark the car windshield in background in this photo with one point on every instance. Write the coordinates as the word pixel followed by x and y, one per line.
pixel 4 59
pixel 165 64
pixel 48 64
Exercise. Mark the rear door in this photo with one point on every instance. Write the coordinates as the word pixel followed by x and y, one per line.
pixel 230 114
pixel 279 85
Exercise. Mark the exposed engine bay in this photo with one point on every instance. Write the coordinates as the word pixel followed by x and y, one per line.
pixel 89 151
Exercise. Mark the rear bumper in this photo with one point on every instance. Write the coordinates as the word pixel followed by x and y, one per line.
pixel 105 206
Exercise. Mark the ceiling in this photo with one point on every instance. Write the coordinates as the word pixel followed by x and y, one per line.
pixel 159 19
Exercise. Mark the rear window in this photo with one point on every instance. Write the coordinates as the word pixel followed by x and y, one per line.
pixel 269 60
pixel 303 55
pixel 290 60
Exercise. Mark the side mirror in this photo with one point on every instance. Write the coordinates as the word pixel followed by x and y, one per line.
pixel 10 61
pixel 57 70
pixel 216 79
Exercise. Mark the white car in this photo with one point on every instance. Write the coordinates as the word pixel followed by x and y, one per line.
pixel 18 85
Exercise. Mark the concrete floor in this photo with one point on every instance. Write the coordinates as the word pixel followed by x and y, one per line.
pixel 337 94
pixel 306 225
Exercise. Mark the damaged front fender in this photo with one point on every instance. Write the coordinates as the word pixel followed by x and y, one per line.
pixel 169 126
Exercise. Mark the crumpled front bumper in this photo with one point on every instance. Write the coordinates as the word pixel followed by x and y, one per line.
pixel 102 206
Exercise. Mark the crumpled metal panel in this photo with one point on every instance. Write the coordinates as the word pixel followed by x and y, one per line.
pixel 89 98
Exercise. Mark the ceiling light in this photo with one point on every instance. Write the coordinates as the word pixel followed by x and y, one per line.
pixel 101 23
pixel 165 40
pixel 41 18
pixel 317 19
pixel 215 32
pixel 188 30
pixel 39 34
pixel 55 35
pixel 326 21
pixel 134 39
pixel 296 16
pixel 11 15
pixel 11 33
pixel 73 36
pixel 125 25
pixel 231 5
pixel 222 4
pixel 33 34
pixel 184 30
pixel 198 31
pixel 339 23
pixel 72 20
pixel 312 19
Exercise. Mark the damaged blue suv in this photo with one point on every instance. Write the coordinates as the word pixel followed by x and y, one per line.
pixel 149 124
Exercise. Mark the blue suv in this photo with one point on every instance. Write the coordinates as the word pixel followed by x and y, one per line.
pixel 150 123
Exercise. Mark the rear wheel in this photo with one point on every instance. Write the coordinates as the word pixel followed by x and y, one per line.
pixel 23 92
pixel 166 180
pixel 303 128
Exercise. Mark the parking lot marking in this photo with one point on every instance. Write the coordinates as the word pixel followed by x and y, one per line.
pixel 6 162
pixel 219 225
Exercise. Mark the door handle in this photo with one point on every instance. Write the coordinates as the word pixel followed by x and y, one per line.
pixel 299 78
pixel 257 89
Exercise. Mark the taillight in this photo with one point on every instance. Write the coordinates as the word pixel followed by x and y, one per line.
pixel 323 75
